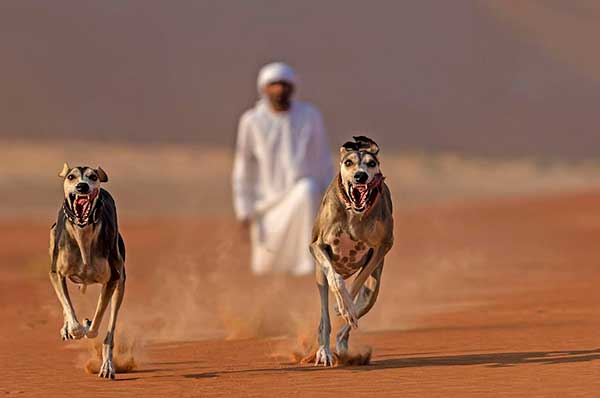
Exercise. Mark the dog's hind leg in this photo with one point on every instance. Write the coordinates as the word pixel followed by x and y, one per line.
pixel 72 329
pixel 107 370
pixel 323 354
pixel 105 295
pixel 366 298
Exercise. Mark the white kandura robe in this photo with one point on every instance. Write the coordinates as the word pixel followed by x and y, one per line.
pixel 282 167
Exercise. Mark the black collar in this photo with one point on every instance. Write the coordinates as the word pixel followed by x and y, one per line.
pixel 93 218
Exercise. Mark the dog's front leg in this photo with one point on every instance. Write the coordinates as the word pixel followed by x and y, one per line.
pixel 107 370
pixel 367 296
pixel 72 329
pixel 375 261
pixel 337 285
pixel 323 354
pixel 103 300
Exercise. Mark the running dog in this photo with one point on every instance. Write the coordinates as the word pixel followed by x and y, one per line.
pixel 353 232
pixel 86 247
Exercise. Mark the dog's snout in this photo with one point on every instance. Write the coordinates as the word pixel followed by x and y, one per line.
pixel 82 187
pixel 361 177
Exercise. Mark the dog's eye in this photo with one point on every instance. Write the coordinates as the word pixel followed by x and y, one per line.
pixel 70 177
pixel 93 177
pixel 371 163
pixel 348 163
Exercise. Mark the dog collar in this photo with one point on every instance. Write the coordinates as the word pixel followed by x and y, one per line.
pixel 92 219
pixel 376 188
pixel 376 182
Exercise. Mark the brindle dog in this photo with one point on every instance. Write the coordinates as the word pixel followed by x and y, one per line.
pixel 86 247
pixel 352 233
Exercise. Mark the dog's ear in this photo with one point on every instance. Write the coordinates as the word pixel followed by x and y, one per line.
pixel 102 174
pixel 348 146
pixel 366 144
pixel 65 170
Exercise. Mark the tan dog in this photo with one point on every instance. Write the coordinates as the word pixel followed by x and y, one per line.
pixel 352 233
pixel 86 247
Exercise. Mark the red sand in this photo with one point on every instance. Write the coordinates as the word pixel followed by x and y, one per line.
pixel 494 298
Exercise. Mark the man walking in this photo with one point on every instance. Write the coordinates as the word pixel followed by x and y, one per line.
pixel 282 167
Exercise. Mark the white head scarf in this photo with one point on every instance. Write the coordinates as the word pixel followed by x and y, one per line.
pixel 275 72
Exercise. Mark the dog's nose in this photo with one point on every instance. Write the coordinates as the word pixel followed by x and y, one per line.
pixel 361 177
pixel 82 187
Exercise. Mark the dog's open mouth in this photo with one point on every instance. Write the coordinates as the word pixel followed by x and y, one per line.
pixel 358 195
pixel 82 205
pixel 364 195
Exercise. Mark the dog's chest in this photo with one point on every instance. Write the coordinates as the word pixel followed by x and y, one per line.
pixel 81 262
pixel 348 254
pixel 96 270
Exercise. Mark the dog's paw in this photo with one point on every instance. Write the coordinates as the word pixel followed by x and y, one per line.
pixel 345 308
pixel 323 356
pixel 89 333
pixel 345 305
pixel 64 332
pixel 107 370
pixel 336 310
pixel 77 331
pixel 73 331
pixel 349 315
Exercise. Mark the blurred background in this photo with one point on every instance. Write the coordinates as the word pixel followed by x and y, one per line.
pixel 486 77
pixel 471 97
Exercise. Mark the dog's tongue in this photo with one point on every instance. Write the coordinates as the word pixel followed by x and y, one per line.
pixel 360 194
pixel 361 189
pixel 81 205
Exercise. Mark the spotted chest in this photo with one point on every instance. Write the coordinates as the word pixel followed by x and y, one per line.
pixel 348 255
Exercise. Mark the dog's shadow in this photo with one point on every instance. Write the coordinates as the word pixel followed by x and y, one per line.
pixel 491 360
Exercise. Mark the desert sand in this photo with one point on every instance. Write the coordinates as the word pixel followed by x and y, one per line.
pixel 485 297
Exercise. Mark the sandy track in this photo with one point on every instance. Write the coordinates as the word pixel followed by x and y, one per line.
pixel 495 298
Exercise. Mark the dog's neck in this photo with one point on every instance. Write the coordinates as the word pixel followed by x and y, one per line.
pixel 84 232
pixel 92 219
pixel 85 238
